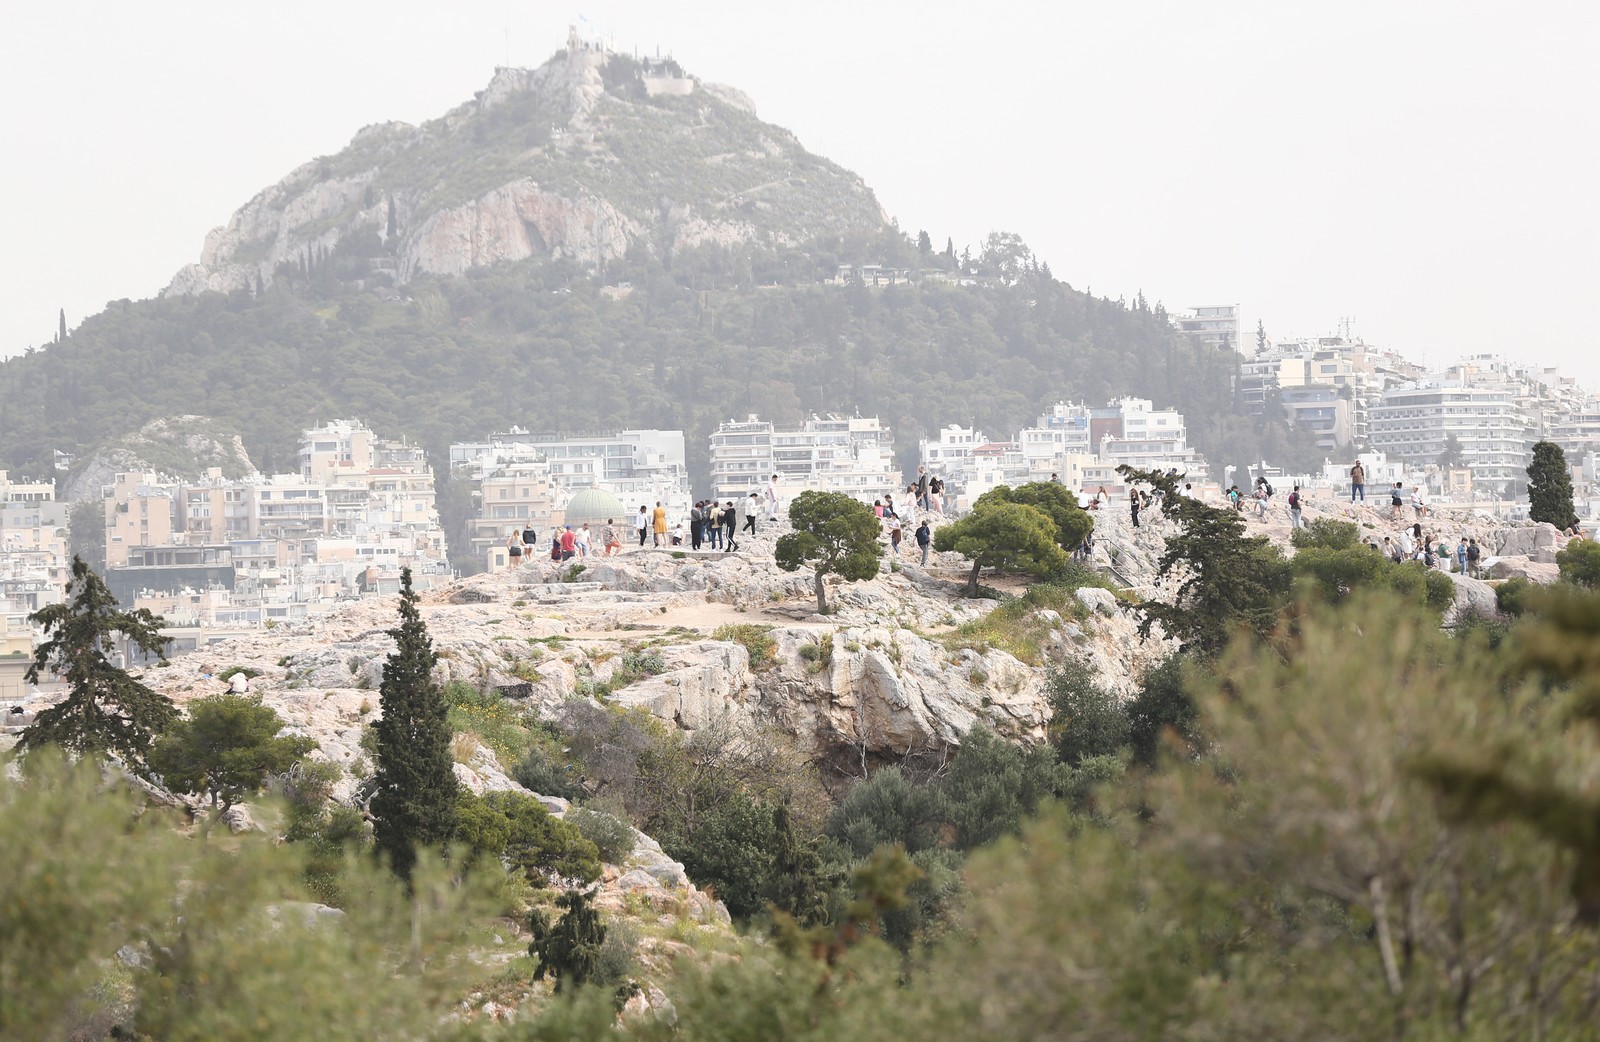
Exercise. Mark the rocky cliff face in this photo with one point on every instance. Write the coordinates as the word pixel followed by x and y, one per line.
pixel 581 159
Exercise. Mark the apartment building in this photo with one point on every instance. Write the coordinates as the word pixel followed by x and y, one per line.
pixel 1415 422
pixel 853 455
pixel 34 561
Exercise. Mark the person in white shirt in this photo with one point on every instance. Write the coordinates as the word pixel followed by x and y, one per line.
pixel 772 498
pixel 641 524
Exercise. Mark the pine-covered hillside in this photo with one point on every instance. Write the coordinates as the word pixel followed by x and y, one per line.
pixel 596 244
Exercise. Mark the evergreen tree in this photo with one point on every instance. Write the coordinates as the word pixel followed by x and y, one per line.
pixel 1451 456
pixel 107 710
pixel 61 330
pixel 1261 337
pixel 570 950
pixel 226 749
pixel 414 804
pixel 1550 486
pixel 391 226
pixel 833 533
pixel 924 244
pixel 1228 580
pixel 1003 535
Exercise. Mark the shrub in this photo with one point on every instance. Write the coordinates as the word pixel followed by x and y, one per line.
pixel 757 640
pixel 614 839
pixel 993 785
pixel 885 809
pixel 1087 721
pixel 1326 532
pixel 544 773
pixel 1512 596
pixel 1580 563
pixel 519 831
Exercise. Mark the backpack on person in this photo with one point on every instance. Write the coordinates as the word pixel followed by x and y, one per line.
pixel 1268 486
pixel 1294 500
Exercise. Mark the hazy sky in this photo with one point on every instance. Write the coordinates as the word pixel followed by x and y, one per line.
pixel 1427 170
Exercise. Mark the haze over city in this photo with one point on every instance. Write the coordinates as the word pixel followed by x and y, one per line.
pixel 1420 170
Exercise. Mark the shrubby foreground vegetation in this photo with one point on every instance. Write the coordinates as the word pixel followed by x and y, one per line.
pixel 1357 826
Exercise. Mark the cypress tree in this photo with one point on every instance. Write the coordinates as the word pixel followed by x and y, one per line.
pixel 569 951
pixel 61 332
pixel 1550 486
pixel 107 710
pixel 415 800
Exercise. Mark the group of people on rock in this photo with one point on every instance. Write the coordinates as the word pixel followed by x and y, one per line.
pixel 923 536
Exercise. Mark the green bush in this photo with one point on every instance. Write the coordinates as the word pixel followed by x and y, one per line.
pixel 1087 720
pixel 1580 563
pixel 731 853
pixel 1512 596
pixel 757 640
pixel 613 838
pixel 519 831
pixel 547 774
pixel 885 809
pixel 993 785
pixel 1327 533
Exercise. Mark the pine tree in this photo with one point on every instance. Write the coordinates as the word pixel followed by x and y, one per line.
pixel 106 710
pixel 415 800
pixel 1550 486
pixel 569 951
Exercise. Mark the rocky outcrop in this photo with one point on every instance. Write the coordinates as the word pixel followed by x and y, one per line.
pixel 1523 568
pixel 1474 598
pixel 1539 543
pixel 562 162
pixel 515 222
pixel 182 446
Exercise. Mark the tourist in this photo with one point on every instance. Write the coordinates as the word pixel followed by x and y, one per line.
pixel 730 522
pixel 1419 502
pixel 1296 507
pixel 1396 502
pixel 641 522
pixel 1461 556
pixel 922 488
pixel 712 514
pixel 894 535
pixel 1474 555
pixel 877 508
pixel 583 540
pixel 1358 482
pixel 530 538
pixel 1133 507
pixel 569 544
pixel 608 537
pixel 658 524
pixel 888 505
pixel 924 540
pixel 514 548
pixel 936 490
pixel 772 498
pixel 752 510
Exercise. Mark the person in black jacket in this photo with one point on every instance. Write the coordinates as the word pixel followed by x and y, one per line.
pixel 730 522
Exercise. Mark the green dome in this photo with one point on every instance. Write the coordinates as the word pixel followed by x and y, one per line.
pixel 595 505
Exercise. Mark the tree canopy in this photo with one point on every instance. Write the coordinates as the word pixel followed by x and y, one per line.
pixel 414 799
pixel 1226 579
pixel 835 534
pixel 107 709
pixel 1004 535
pixel 1550 486
pixel 1072 522
pixel 225 748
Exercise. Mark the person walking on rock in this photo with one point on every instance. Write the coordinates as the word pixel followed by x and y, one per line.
pixel 752 511
pixel 1396 502
pixel 1133 507
pixel 641 522
pixel 658 524
pixel 713 517
pixel 730 523
pixel 1358 482
pixel 1474 555
pixel 924 540
pixel 772 498
pixel 608 538
pixel 895 532
pixel 1296 516
pixel 922 488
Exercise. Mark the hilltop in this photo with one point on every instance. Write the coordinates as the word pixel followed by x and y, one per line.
pixel 594 244
pixel 588 156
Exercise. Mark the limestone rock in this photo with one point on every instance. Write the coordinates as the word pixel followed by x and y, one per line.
pixel 1538 543
pixel 1523 568
pixel 1096 599
pixel 1473 597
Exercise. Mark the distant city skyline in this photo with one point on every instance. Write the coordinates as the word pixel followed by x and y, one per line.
pixel 1421 169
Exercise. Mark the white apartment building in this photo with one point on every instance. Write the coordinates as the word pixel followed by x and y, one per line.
pixel 854 455
pixel 625 462
pixel 1216 325
pixel 1413 422
pixel 34 562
